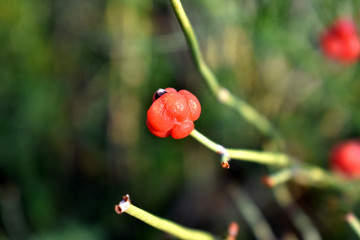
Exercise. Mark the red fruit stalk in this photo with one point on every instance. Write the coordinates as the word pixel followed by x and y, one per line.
pixel 172 113
pixel 341 41
pixel 345 158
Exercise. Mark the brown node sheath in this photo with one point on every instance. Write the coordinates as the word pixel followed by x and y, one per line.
pixel 118 209
pixel 349 217
pixel 233 231
pixel 267 181
pixel 225 165
pixel 123 204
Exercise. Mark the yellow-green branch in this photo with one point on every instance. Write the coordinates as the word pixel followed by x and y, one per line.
pixel 267 158
pixel 354 223
pixel 162 224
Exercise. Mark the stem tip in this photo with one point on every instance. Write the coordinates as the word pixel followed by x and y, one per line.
pixel 123 205
pixel 225 165
pixel 233 230
pixel 267 181
pixel 349 217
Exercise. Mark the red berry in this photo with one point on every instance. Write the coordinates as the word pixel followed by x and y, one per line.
pixel 344 27
pixel 341 41
pixel 352 51
pixel 172 113
pixel 345 158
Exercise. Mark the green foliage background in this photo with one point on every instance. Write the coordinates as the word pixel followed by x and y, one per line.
pixel 77 78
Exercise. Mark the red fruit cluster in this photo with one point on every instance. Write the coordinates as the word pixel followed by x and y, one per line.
pixel 341 41
pixel 345 158
pixel 172 113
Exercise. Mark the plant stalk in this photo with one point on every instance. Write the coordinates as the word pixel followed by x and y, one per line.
pixel 172 228
pixel 267 158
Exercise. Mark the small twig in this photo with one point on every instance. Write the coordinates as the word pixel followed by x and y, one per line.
pixel 225 158
pixel 279 177
pixel 354 223
pixel 123 205
pixel 160 223
pixel 267 158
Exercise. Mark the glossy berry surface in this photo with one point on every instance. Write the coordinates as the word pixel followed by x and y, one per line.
pixel 173 113
pixel 341 41
pixel 345 158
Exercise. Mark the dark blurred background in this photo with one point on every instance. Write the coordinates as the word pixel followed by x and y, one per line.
pixel 77 77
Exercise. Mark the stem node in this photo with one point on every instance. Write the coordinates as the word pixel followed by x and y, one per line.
pixel 223 95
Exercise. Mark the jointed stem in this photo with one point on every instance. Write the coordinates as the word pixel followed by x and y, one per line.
pixel 223 95
pixel 308 174
pixel 266 158
pixel 302 173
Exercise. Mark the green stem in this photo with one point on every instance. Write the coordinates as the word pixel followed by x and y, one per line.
pixel 249 113
pixel 267 158
pixel 168 226
pixel 279 177
pixel 191 39
pixel 354 223
pixel 206 141
pixel 316 176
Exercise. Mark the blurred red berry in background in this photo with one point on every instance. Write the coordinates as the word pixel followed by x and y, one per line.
pixel 172 113
pixel 345 158
pixel 341 41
